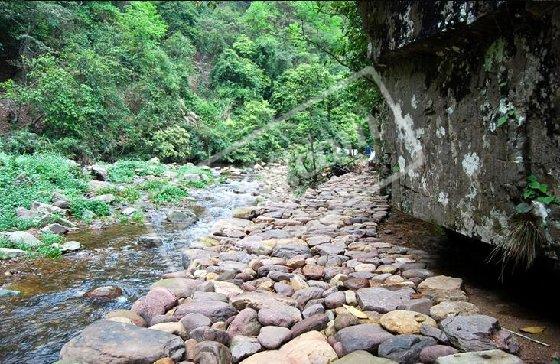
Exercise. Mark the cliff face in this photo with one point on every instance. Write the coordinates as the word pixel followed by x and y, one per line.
pixel 480 81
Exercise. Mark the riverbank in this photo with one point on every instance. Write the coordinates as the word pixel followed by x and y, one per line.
pixel 299 280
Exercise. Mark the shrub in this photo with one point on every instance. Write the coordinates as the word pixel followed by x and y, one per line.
pixel 80 206
pixel 125 171
pixel 172 143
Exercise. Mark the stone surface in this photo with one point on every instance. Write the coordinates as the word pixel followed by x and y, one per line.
pixel 214 310
pixel 430 353
pixel 315 322
pixel 405 322
pixel 480 357
pixel 382 300
pixel 310 347
pixel 104 293
pixel 272 337
pixel 270 356
pixel 243 346
pixel 362 337
pixel 180 287
pixel 245 323
pixel 452 308
pixel 113 342
pixel 156 302
pixel 211 352
pixel 362 357
pixel 405 348
pixel 279 315
pixel 21 237
pixel 472 333
pixel 442 288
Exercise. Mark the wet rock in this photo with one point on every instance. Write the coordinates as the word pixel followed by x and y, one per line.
pixel 246 323
pixel 135 318
pixel 430 353
pixel 243 346
pixel 362 357
pixel 361 337
pixel 271 337
pixel 156 302
pixel 113 342
pixel 211 352
pixel 150 240
pixel 279 315
pixel 183 217
pixel 8 293
pixel 405 348
pixel 452 308
pixel 382 300
pixel 104 293
pixel 180 287
pixel 248 212
pixel 21 237
pixel 310 347
pixel 476 333
pixel 442 288
pixel 192 321
pixel 405 322
pixel 214 310
pixel 189 255
pixel 480 357
pixel 315 322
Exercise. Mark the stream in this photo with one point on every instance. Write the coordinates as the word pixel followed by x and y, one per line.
pixel 51 308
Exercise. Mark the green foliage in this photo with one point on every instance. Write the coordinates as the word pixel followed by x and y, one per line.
pixel 172 143
pixel 85 209
pixel 28 178
pixel 49 246
pixel 125 171
pixel 534 190
pixel 50 238
pixel 162 192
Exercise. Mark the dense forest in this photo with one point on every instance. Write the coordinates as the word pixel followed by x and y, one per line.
pixel 180 81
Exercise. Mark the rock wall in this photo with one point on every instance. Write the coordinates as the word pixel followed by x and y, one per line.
pixel 480 81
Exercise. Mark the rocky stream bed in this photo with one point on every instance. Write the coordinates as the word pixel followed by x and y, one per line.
pixel 275 279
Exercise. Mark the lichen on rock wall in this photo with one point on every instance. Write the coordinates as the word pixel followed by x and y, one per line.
pixel 480 84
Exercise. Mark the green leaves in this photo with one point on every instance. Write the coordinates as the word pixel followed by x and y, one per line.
pixel 534 190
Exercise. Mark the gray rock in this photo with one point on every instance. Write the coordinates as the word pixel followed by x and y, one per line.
pixel 210 334
pixel 362 357
pixel 421 305
pixel 335 299
pixel 383 300
pixel 150 240
pixel 7 253
pixel 209 296
pixel 99 172
pixel 480 357
pixel 361 337
pixel 55 228
pixel 21 237
pixel 405 348
pixel 70 246
pixel 214 310
pixel 246 323
pixel 106 292
pixel 313 309
pixel 243 346
pixel 272 337
pixel 107 341
pixel 279 315
pixel 290 248
pixel 211 352
pixel 472 333
pixel 193 320
pixel 306 294
pixel 183 218
pixel 430 353
pixel 316 322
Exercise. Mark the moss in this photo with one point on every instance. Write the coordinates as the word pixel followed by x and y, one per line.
pixel 494 55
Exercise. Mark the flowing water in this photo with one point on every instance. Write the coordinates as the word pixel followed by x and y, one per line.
pixel 51 308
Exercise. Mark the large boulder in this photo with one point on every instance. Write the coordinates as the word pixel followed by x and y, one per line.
pixel 477 333
pixel 21 237
pixel 107 341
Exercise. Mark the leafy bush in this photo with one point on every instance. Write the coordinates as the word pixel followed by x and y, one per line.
pixel 28 178
pixel 162 192
pixel 125 171
pixel 82 208
pixel 172 143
